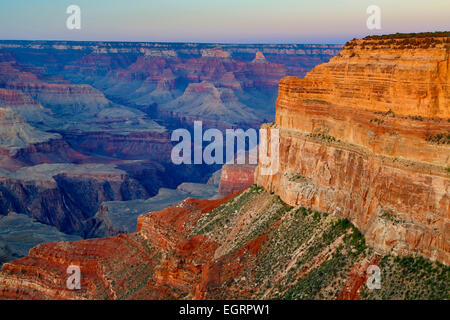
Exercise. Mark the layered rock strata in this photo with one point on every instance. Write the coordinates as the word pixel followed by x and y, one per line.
pixel 235 177
pixel 366 136
pixel 247 246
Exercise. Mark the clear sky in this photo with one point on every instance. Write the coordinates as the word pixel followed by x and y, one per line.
pixel 230 21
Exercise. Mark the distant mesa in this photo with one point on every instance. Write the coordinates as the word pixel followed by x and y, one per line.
pixel 217 52
pixel 12 98
pixel 259 58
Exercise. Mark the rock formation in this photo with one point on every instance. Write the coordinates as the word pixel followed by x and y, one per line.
pixel 65 195
pixel 115 217
pixel 246 246
pixel 365 136
pixel 235 177
pixel 19 233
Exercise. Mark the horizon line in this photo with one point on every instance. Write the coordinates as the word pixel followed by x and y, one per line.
pixel 180 42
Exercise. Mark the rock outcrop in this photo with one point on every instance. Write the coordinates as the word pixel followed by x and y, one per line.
pixel 366 136
pixel 96 258
pixel 65 195
pixel 115 217
pixel 246 246
pixel 16 133
pixel 235 177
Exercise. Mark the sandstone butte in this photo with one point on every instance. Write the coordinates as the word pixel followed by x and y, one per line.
pixel 362 137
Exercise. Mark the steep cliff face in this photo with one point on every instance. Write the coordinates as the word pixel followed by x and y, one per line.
pixel 64 99
pixel 408 76
pixel 366 136
pixel 16 133
pixel 12 98
pixel 53 151
pixel 23 144
pixel 145 145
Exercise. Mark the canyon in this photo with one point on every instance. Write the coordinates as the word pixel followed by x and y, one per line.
pixel 363 180
pixel 85 127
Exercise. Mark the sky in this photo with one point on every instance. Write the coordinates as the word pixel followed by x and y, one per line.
pixel 218 21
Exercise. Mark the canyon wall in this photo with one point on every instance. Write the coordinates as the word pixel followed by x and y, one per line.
pixel 367 136
pixel 235 177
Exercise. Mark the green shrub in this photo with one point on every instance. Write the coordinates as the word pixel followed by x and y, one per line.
pixel 440 138
pixel 323 136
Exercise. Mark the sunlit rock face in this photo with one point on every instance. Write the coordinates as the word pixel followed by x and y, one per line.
pixel 408 76
pixel 366 136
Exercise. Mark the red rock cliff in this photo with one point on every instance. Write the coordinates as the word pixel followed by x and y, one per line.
pixel 236 177
pixel 366 136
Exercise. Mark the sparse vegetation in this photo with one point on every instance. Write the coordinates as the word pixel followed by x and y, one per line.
pixel 441 138
pixel 301 253
pixel 377 121
pixel 219 216
pixel 411 278
pixel 323 136
pixel 409 35
pixel 416 118
pixel 298 178
pixel 389 217
pixel 389 114
pixel 322 281
pixel 403 41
